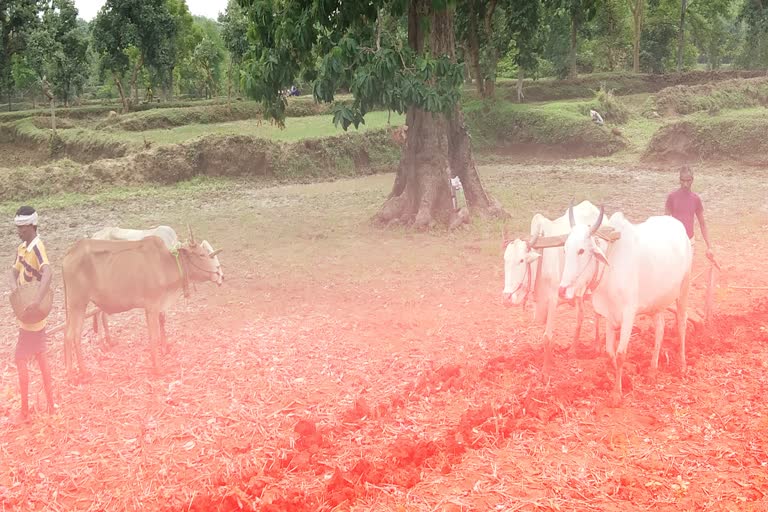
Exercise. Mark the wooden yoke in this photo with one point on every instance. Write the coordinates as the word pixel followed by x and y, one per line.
pixel 607 233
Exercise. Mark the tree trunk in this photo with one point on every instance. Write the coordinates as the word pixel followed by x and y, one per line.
pixel 474 48
pixel 53 115
pixel 493 57
pixel 681 39
pixel 637 9
pixel 572 71
pixel 229 84
pixel 437 148
pixel 135 78
pixel 467 67
pixel 123 99
pixel 48 91
pixel 520 78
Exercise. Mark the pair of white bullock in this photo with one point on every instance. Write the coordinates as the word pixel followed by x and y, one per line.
pixel 642 273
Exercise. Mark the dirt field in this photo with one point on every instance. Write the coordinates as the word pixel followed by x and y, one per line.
pixel 344 368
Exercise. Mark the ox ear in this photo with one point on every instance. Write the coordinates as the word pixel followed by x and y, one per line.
pixel 599 254
pixel 532 256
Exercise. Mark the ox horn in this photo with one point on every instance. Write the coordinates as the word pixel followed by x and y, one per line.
pixel 571 219
pixel 214 253
pixel 504 236
pixel 191 236
pixel 599 221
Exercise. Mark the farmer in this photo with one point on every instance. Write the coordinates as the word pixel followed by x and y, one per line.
pixel 31 264
pixel 684 203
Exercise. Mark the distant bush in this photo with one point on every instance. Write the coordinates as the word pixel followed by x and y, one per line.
pixel 730 94
pixel 733 138
pixel 351 154
pixel 611 108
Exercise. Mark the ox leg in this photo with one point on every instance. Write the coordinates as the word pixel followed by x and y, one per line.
pixel 598 347
pixel 548 335
pixel 153 325
pixel 682 319
pixel 658 320
pixel 108 342
pixel 74 331
pixel 579 321
pixel 627 322
pixel 166 349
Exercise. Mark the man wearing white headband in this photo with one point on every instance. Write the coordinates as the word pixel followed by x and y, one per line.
pixel 31 264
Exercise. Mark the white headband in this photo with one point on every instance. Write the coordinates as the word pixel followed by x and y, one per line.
pixel 26 220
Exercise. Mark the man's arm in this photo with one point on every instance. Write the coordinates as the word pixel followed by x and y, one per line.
pixel 45 283
pixel 704 232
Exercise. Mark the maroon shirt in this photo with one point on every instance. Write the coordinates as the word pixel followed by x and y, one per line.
pixel 683 204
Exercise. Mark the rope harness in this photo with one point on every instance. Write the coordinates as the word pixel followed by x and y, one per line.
pixel 184 275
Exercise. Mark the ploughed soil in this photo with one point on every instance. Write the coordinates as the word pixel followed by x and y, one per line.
pixel 343 368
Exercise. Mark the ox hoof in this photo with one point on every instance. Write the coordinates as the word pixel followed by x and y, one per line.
pixel 653 375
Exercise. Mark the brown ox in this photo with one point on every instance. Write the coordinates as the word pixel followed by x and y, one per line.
pixel 119 276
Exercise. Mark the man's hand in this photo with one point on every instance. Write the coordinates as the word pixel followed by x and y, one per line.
pixel 710 254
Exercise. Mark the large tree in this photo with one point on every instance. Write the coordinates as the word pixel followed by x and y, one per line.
pixel 235 34
pixel 120 25
pixel 580 13
pixel 68 51
pixel 422 79
pixel 176 48
pixel 17 19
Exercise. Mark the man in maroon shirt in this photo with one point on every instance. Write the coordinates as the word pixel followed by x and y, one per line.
pixel 683 204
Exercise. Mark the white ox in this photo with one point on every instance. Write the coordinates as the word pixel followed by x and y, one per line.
pixel 171 240
pixel 165 233
pixel 643 272
pixel 530 272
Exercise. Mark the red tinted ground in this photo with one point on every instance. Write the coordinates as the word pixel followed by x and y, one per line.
pixel 413 390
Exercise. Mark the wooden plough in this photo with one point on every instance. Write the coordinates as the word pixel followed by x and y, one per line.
pixel 60 327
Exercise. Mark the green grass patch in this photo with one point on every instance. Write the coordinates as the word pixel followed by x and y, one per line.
pixel 49 200
pixel 621 83
pixel 499 124
pixel 158 118
pixel 80 144
pixel 296 128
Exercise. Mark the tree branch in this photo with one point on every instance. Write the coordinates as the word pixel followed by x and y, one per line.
pixel 489 16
